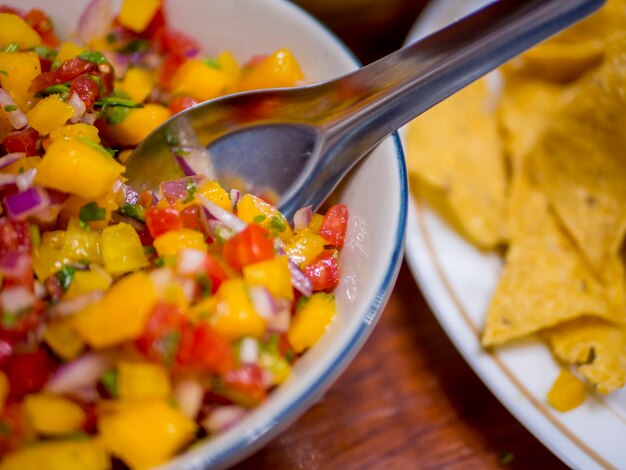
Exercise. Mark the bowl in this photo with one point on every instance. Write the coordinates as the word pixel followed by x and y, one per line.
pixel 375 192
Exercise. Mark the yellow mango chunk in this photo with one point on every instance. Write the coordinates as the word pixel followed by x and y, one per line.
pixel 20 69
pixel 170 243
pixel 80 244
pixel 49 114
pixel 279 70
pixel 138 83
pixel 228 64
pixel 63 339
pixel 252 209
pixel 567 392
pixel 136 14
pixel 147 434
pixel 142 381
pixel 121 249
pixel 74 131
pixel 87 281
pixel 272 274
pixel 48 257
pixel 74 166
pixel 214 192
pixel 305 246
pixel 121 315
pixel 14 29
pixel 53 415
pixel 68 50
pixel 59 455
pixel 200 80
pixel 235 316
pixel 139 122
pixel 311 320
pixel 21 165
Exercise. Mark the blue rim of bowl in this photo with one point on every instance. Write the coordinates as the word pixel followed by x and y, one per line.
pixel 290 413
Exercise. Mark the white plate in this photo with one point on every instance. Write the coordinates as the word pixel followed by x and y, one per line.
pixel 457 281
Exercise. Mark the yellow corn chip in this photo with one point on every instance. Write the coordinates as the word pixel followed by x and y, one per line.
pixel 455 151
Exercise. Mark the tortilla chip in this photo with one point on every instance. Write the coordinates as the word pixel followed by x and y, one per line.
pixel 580 163
pixel 597 348
pixel 545 280
pixel 579 48
pixel 454 149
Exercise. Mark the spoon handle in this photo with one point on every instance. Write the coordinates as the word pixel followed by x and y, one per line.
pixel 387 94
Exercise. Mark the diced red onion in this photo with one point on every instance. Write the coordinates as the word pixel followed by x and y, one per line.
pixel 17 118
pixel 186 169
pixel 175 190
pixel 78 105
pixel 40 290
pixel 95 21
pixel 15 264
pixel 89 118
pixel 66 308
pixel 189 394
pixel 249 351
pixel 11 158
pixel 16 298
pixel 280 321
pixel 226 218
pixel 223 418
pixel 299 279
pixel 78 374
pixel 88 394
pixel 234 198
pixel 29 202
pixel 190 261
pixel 25 180
pixel 263 302
pixel 57 197
pixel 161 278
pixel 194 161
pixel 302 218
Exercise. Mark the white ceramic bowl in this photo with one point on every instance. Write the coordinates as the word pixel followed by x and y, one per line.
pixel 375 192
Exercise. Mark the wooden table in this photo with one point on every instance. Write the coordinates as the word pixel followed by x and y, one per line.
pixel 408 400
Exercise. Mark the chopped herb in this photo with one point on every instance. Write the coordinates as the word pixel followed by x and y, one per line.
pixel 211 62
pixel 45 52
pixel 93 145
pixel 65 275
pixel 5 428
pixel 289 356
pixel 12 47
pixel 181 152
pixel 93 57
pixel 55 65
pixel 118 101
pixel 205 284
pixel 116 114
pixel 53 90
pixel 271 345
pixel 8 319
pixel 506 458
pixel 109 380
pixel 10 108
pixel 111 38
pixel 191 191
pixel 165 261
pixel 149 250
pixel 135 47
pixel 259 218
pixel 20 170
pixel 91 212
pixel 134 211
pixel 223 234
pixel 302 301
pixel 277 222
pixel 4 72
pixel 110 150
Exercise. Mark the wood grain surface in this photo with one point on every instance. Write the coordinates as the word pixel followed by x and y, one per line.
pixel 408 400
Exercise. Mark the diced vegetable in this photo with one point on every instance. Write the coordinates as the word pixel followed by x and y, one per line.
pixel 170 243
pixel 200 80
pixel 68 50
pixel 76 131
pixel 250 246
pixel 138 123
pixel 53 415
pixel 137 83
pixel 49 114
pixel 142 381
pixel 136 14
pixel 311 320
pixel 55 455
pixel 216 194
pixel 14 30
pixel 121 249
pixel 567 392
pixel 235 316
pixel 21 68
pixel 63 339
pixel 281 69
pixel 273 274
pixel 305 246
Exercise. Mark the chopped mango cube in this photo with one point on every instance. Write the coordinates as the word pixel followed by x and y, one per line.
pixel 567 392
pixel 139 122
pixel 252 209
pixel 137 14
pixel 138 83
pixel 305 246
pixel 80 244
pixel 74 166
pixel 170 243
pixel 273 274
pixel 53 415
pixel 280 69
pixel 200 80
pixel 57 455
pixel 147 434
pixel 14 29
pixel 20 68
pixel 121 249
pixel 63 339
pixel 311 320
pixel 87 281
pixel 48 257
pixel 214 192
pixel 49 114
pixel 142 381
pixel 73 131
pixel 68 50
pixel 235 316
pixel 121 315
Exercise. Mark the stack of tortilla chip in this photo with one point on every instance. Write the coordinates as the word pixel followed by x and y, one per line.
pixel 537 165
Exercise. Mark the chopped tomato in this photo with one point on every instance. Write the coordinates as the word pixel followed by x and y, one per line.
pixel 180 103
pixel 22 141
pixel 145 199
pixel 16 428
pixel 67 71
pixel 41 23
pixel 214 270
pixel 190 217
pixel 171 64
pixel 323 272
pixel 334 225
pixel 86 88
pixel 156 27
pixel 248 379
pixel 28 373
pixel 203 348
pixel 255 61
pixel 251 245
pixel 14 236
pixel 175 42
pixel 162 334
pixel 161 220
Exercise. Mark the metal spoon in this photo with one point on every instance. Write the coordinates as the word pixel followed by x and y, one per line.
pixel 300 142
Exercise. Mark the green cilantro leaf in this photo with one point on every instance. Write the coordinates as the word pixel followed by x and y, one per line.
pixel 10 107
pixel 65 275
pixel 134 211
pixel 91 212
pixel 109 380
pixel 93 57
